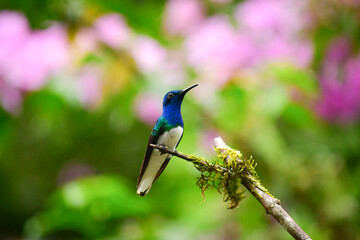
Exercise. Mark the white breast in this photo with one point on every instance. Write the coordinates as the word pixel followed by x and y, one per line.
pixel 169 139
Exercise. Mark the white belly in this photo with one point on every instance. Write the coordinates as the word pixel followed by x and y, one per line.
pixel 169 139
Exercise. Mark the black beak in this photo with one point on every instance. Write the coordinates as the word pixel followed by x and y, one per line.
pixel 183 92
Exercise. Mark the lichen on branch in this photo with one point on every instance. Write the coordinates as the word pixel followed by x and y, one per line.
pixel 225 174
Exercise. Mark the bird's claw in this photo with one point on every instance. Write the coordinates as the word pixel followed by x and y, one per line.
pixel 163 149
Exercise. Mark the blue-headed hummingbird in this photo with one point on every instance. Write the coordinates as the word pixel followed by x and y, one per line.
pixel 168 132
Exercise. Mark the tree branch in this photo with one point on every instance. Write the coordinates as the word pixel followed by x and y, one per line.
pixel 271 204
pixel 164 149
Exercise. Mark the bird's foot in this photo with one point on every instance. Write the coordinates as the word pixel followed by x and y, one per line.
pixel 163 149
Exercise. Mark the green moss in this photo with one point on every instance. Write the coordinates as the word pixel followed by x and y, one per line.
pixel 226 175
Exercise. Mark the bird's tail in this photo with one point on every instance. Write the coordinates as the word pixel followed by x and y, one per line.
pixel 144 186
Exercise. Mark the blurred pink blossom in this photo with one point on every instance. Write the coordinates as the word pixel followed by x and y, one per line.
pixel 269 18
pixel 89 86
pixel 44 52
pixel 10 99
pixel 351 3
pixel 216 48
pixel 14 30
pixel 148 108
pixel 148 54
pixel 112 30
pixel 72 170
pixel 275 27
pixel 340 84
pixel 207 140
pixel 28 58
pixel 157 62
pixel 221 1
pixel 86 40
pixel 300 53
pixel 172 71
pixel 182 16
pixel 338 51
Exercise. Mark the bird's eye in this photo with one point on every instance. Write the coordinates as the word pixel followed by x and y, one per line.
pixel 170 95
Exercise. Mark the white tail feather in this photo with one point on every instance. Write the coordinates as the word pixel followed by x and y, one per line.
pixel 144 186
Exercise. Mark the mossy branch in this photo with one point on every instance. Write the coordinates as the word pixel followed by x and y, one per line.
pixel 228 173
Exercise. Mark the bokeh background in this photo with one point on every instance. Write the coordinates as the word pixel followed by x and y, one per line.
pixel 81 86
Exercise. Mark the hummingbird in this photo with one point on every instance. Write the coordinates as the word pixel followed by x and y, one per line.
pixel 168 131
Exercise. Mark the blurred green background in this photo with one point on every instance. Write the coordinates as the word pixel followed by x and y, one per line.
pixel 81 86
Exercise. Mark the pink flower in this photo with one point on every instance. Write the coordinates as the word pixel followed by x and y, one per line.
pixel 27 59
pixel 86 40
pixel 340 84
pixel 182 16
pixel 300 53
pixel 148 108
pixel 148 54
pixel 351 3
pixel 221 1
pixel 10 99
pixel 339 50
pixel 270 17
pixel 14 31
pixel 337 53
pixel 156 62
pixel 303 53
pixel 274 27
pixel 207 140
pixel 112 30
pixel 42 53
pixel 217 49
pixel 89 86
pixel 171 72
pixel 72 170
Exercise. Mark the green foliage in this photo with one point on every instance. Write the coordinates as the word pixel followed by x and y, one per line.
pixel 77 210
pixel 311 165
pixel 146 19
pixel 235 98
pixel 303 80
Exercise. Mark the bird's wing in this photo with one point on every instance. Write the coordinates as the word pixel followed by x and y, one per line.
pixel 154 136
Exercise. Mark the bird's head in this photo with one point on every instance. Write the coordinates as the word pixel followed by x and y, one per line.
pixel 173 99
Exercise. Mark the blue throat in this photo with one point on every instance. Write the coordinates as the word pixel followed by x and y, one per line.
pixel 172 114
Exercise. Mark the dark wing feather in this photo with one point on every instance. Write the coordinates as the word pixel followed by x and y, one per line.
pixel 152 140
